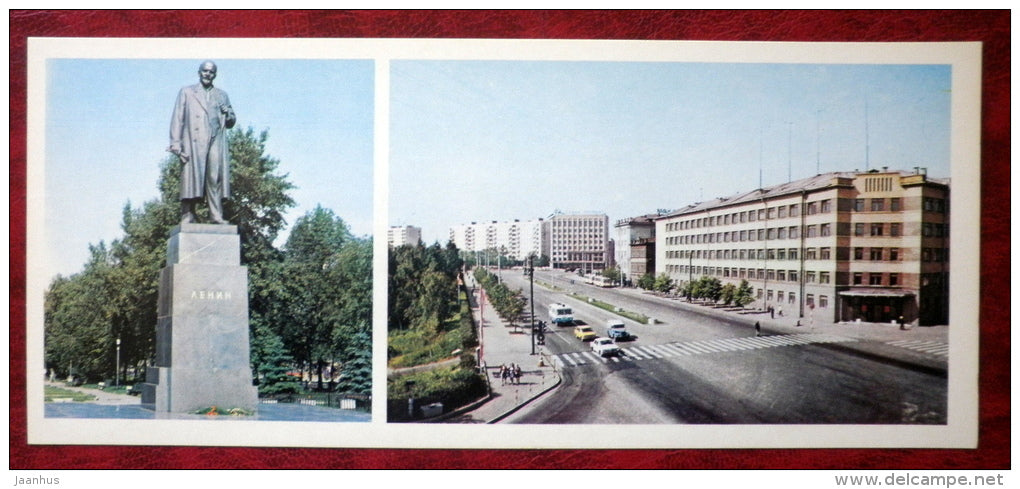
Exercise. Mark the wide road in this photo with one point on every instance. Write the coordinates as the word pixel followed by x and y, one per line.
pixel 695 368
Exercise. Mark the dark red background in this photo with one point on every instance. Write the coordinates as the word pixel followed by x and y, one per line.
pixel 990 27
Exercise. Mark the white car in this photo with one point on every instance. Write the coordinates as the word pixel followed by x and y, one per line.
pixel 604 347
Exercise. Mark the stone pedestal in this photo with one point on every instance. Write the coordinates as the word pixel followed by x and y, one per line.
pixel 202 324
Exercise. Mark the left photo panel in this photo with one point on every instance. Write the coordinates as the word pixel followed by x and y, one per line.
pixel 201 239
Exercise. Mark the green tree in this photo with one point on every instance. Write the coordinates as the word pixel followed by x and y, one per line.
pixel 744 294
pixel 728 293
pixel 271 363
pixel 647 281
pixel 123 284
pixel 613 274
pixel 317 311
pixel 663 283
pixel 710 288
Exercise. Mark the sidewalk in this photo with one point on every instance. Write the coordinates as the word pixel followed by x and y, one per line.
pixel 503 345
pixel 102 397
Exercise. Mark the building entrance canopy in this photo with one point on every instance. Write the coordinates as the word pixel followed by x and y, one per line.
pixel 876 292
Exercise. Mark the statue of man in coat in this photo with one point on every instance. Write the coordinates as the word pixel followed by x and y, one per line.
pixel 198 136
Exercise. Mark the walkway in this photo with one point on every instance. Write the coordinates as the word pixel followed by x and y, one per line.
pixel 503 345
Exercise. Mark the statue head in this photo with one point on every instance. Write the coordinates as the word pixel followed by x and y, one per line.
pixel 207 73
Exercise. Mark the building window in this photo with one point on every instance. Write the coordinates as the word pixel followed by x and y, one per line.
pixel 876 229
pixel 825 253
pixel 858 278
pixel 809 299
pixel 793 253
pixel 794 232
pixel 810 254
pixel 793 275
pixel 894 254
pixel 825 229
pixel 823 277
pixel 894 279
pixel 812 208
pixel 794 210
pixel 875 279
pixel 780 296
pixel 876 254
pixel 809 277
pixel 781 275
pixel 826 206
pixel 859 229
pixel 823 301
pixel 858 205
pixel 894 204
pixel 894 229
pixel 782 212
pixel 793 297
pixel 782 233
pixel 877 205
pixel 781 254
pixel 812 231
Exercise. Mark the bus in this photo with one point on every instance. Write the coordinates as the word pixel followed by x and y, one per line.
pixel 560 314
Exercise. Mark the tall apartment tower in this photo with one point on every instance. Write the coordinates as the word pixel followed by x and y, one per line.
pixel 844 246
pixel 579 241
pixel 403 235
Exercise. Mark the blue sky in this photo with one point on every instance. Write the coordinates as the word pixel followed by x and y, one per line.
pixel 107 129
pixel 477 140
pixel 501 140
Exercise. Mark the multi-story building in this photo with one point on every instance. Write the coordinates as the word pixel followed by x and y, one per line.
pixel 516 239
pixel 401 235
pixel 635 246
pixel 835 247
pixel 579 241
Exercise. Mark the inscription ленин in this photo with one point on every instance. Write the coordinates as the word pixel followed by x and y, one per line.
pixel 210 295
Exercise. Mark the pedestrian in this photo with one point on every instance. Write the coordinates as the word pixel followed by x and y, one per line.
pixel 517 374
pixel 757 328
pixel 772 312
pixel 902 323
pixel 780 311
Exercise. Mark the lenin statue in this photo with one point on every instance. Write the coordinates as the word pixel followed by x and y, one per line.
pixel 198 137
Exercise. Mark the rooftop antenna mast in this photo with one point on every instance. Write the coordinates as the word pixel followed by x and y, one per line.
pixel 867 137
pixel 761 152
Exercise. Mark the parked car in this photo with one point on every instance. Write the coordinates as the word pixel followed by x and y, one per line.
pixel 604 347
pixel 615 329
pixel 584 333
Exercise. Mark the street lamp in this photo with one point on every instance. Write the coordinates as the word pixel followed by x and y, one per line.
pixel 531 275
pixel 116 374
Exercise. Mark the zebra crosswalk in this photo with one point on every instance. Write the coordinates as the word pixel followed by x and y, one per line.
pixel 935 348
pixel 702 347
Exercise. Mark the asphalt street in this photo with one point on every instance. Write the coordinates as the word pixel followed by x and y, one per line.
pixel 703 365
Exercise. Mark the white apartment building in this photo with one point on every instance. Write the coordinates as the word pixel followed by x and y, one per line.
pixel 403 235
pixel 517 239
